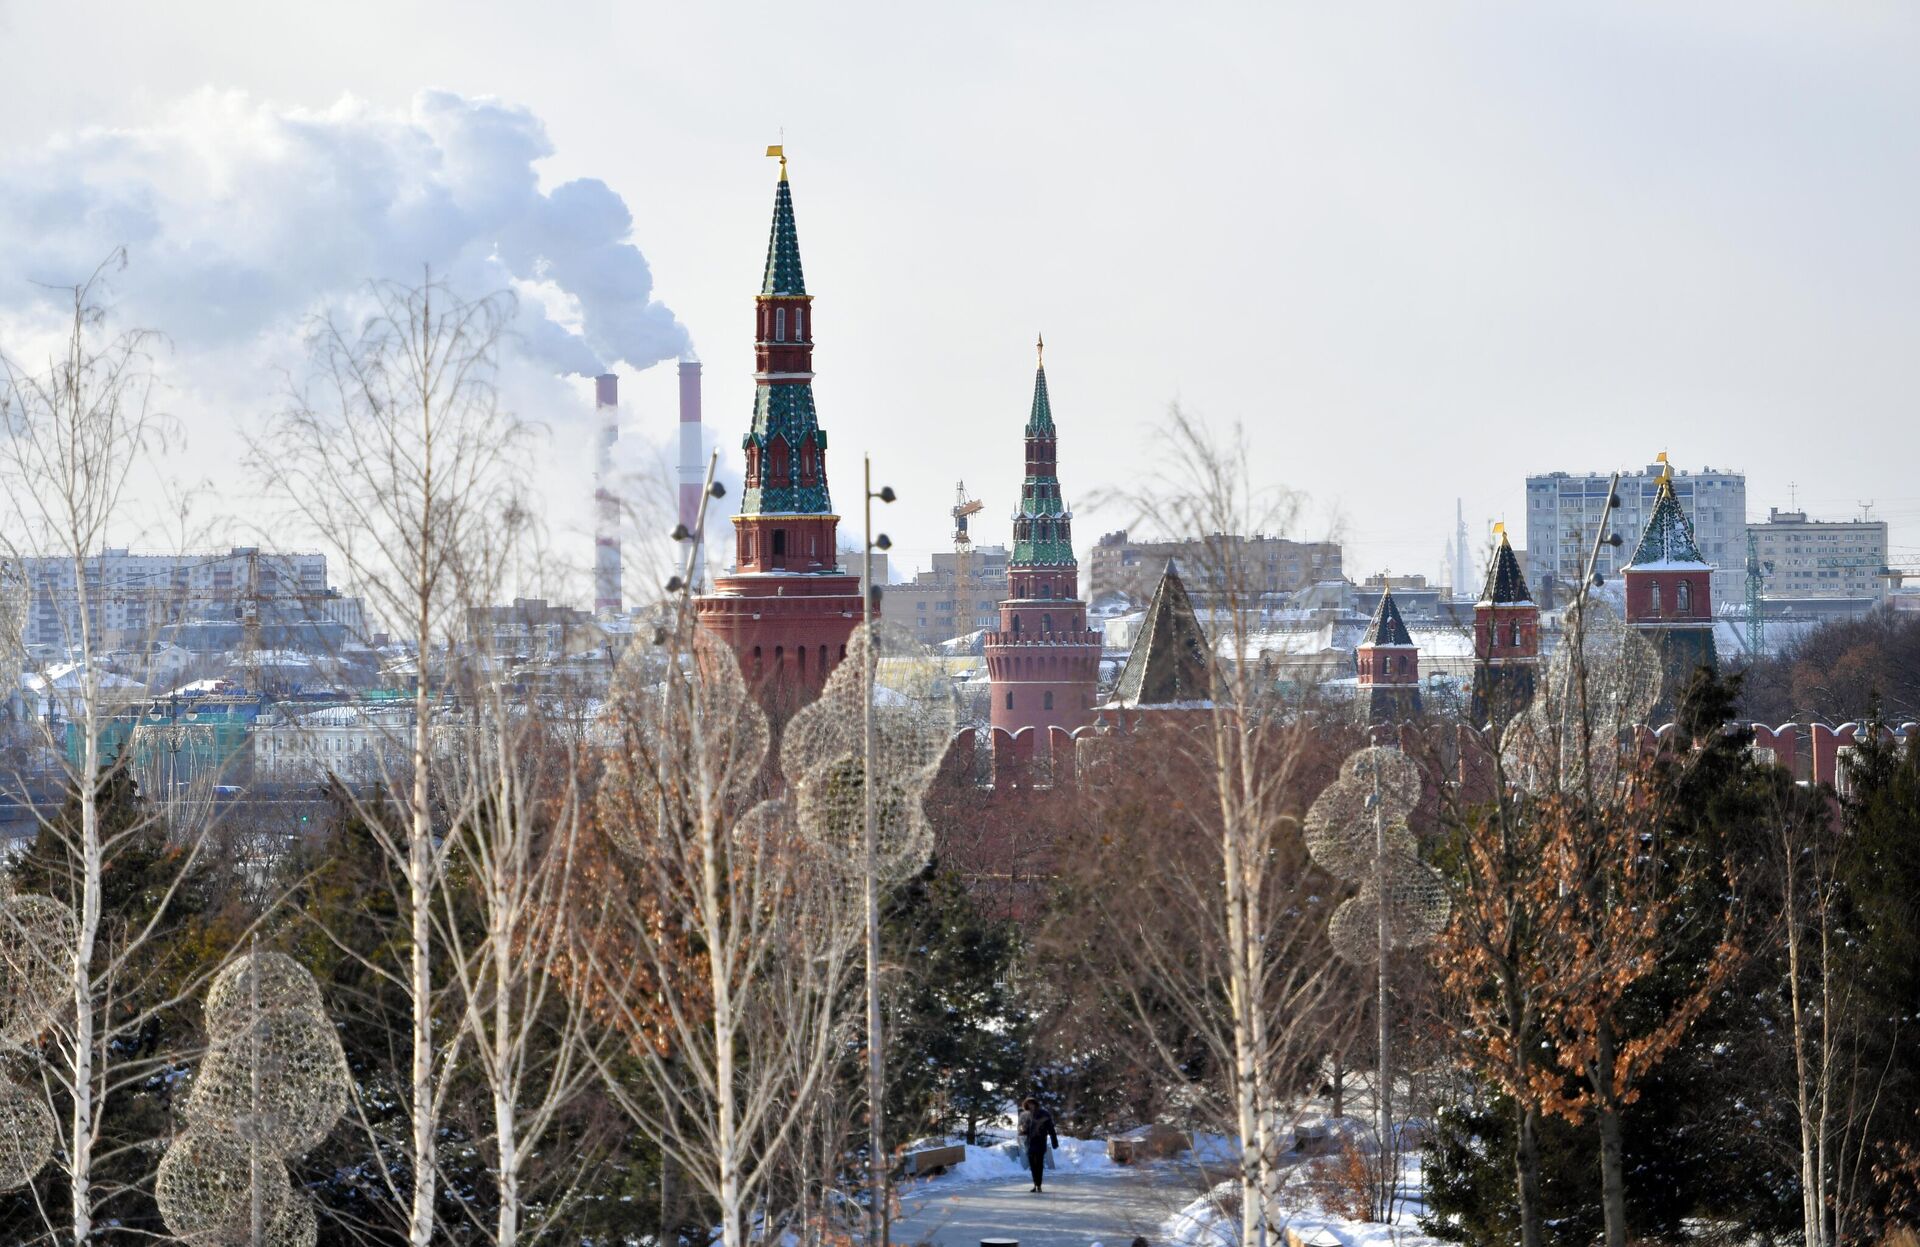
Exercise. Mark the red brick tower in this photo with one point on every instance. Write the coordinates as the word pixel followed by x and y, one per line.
pixel 1506 641
pixel 786 607
pixel 1389 665
pixel 1043 662
pixel 1670 594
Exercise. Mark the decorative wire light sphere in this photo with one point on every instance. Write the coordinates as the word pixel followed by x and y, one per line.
pixel 27 1135
pixel 273 1083
pixel 275 980
pixel 204 1188
pixel 1417 909
pixel 280 1082
pixel 823 750
pixel 1364 808
pixel 36 953
pixel 914 707
pixel 1340 825
pixel 695 738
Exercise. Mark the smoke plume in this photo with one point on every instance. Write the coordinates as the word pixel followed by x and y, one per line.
pixel 243 219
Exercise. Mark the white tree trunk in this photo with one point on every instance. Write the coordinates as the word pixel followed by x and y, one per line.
pixel 420 878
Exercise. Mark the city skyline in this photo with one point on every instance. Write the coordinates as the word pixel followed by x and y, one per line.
pixel 1411 229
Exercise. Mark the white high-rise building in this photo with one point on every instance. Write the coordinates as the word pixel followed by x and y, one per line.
pixel 129 595
pixel 1563 510
pixel 1821 558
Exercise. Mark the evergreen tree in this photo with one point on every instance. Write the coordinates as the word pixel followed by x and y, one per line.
pixel 1880 868
pixel 958 1037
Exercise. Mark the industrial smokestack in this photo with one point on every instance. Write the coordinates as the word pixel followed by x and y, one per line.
pixel 693 473
pixel 606 503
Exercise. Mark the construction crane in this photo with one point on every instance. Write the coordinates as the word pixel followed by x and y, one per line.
pixel 963 507
pixel 1757 571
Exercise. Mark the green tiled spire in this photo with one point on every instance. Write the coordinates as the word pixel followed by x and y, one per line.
pixel 1668 540
pixel 783 276
pixel 786 439
pixel 1043 527
pixel 783 420
pixel 1040 419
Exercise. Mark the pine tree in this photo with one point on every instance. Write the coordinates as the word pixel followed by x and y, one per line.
pixel 959 1035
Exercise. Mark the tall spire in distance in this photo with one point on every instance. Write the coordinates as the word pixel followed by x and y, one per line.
pixel 1042 527
pixel 1043 662
pixel 785 607
pixel 783 275
pixel 786 449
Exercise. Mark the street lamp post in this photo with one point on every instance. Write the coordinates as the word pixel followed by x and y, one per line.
pixel 877 1219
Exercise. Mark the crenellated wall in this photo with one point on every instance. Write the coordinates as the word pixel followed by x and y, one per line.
pixel 1013 761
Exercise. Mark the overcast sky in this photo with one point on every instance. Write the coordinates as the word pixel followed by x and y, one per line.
pixel 1420 250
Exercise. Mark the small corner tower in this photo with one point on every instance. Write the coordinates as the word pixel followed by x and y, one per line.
pixel 1506 640
pixel 1168 669
pixel 1388 664
pixel 1670 593
pixel 786 608
pixel 1043 662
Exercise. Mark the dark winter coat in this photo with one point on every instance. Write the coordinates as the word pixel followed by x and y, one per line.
pixel 1036 1129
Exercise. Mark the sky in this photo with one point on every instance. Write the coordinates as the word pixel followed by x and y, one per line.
pixel 1417 250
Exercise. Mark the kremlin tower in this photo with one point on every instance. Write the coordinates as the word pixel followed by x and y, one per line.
pixel 1389 665
pixel 1670 594
pixel 786 608
pixel 1506 640
pixel 1043 662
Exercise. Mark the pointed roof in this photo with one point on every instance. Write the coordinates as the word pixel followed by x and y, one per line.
pixel 1506 586
pixel 1168 664
pixel 1040 419
pixel 1387 627
pixel 783 276
pixel 1668 539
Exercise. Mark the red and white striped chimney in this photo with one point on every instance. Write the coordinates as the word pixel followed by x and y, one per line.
pixel 693 472
pixel 606 503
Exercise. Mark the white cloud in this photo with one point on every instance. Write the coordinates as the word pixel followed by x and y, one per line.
pixel 242 219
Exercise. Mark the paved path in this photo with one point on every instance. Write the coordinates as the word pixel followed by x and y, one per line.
pixel 1077 1209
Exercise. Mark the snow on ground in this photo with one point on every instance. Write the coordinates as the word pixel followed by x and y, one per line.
pixel 1208 1221
pixel 1004 1163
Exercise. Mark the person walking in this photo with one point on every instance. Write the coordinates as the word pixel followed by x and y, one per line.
pixel 1036 1131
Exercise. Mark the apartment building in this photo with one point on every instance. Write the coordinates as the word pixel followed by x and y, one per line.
pixel 1564 509
pixel 130 596
pixel 1272 565
pixel 960 594
pixel 1806 558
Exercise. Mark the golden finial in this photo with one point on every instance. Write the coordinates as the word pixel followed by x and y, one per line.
pixel 1040 349
pixel 1500 531
pixel 1666 467
pixel 780 150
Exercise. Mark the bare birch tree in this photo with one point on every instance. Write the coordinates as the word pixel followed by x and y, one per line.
pixel 516 866
pixel 77 433
pixel 1254 749
pixel 398 455
pixel 721 943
